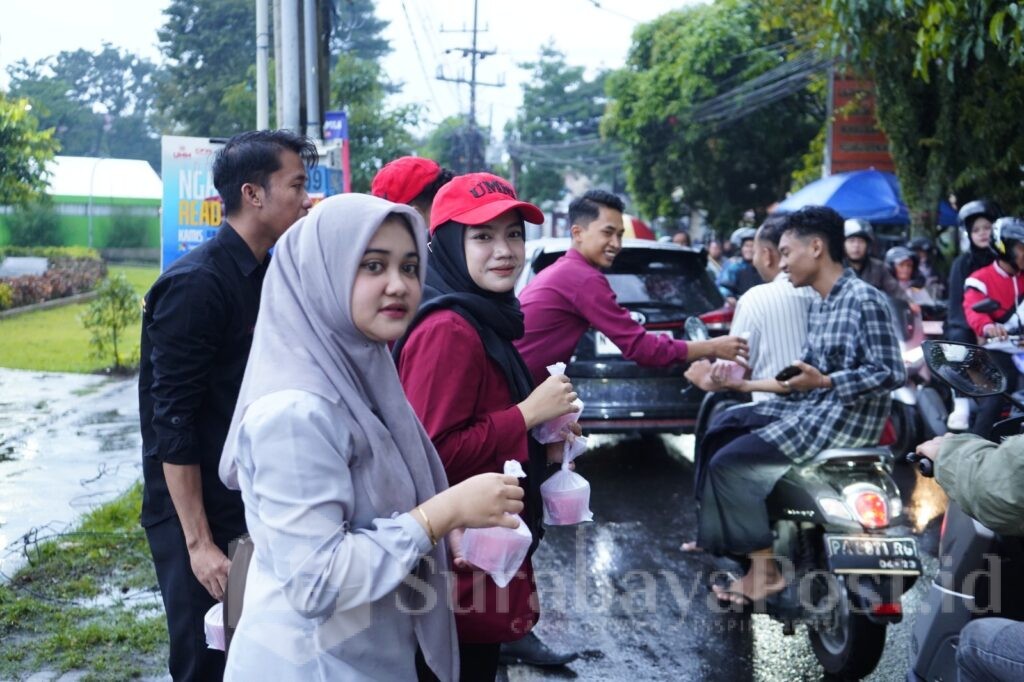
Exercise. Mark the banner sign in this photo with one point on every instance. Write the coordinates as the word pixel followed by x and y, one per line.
pixel 857 142
pixel 336 130
pixel 191 211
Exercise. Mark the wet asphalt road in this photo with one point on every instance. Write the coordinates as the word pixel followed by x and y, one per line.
pixel 620 591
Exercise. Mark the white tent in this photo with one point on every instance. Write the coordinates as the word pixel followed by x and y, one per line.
pixel 82 176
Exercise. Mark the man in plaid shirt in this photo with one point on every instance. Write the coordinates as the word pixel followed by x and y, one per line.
pixel 840 398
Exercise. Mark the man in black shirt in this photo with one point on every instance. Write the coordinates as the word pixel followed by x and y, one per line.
pixel 198 322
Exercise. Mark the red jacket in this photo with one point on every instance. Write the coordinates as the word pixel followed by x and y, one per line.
pixel 992 282
pixel 464 402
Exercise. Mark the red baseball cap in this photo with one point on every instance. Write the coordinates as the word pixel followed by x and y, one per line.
pixel 403 179
pixel 475 198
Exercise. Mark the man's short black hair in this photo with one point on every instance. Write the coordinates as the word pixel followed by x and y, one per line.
pixel 252 157
pixel 772 228
pixel 819 221
pixel 584 210
pixel 425 199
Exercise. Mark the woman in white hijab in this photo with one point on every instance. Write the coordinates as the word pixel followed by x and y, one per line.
pixel 344 494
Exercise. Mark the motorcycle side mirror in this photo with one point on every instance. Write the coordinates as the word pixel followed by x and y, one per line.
pixel 695 330
pixel 985 305
pixel 967 368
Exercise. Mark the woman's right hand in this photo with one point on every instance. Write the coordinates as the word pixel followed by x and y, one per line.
pixel 553 398
pixel 482 501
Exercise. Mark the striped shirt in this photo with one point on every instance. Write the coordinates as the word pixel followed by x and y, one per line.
pixel 852 338
pixel 775 317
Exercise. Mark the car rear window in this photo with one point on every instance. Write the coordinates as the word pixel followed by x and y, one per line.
pixel 675 278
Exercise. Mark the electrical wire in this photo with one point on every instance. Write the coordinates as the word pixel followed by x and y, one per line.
pixel 419 56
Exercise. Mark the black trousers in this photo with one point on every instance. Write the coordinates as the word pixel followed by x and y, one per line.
pixel 738 473
pixel 477 663
pixel 186 601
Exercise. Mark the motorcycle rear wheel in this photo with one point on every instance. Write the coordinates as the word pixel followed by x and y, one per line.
pixel 852 647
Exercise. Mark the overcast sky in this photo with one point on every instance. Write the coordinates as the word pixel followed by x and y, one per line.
pixel 592 33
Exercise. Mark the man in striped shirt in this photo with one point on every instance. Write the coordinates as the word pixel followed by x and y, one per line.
pixel 772 316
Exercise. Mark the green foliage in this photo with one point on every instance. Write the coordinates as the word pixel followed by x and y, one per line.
pixel 377 133
pixel 128 231
pixel 557 130
pixel 51 252
pixel 680 60
pixel 36 224
pixel 99 103
pixel 356 30
pixel 46 607
pixel 810 163
pixel 6 296
pixel 453 144
pixel 24 151
pixel 115 308
pixel 209 46
pixel 945 34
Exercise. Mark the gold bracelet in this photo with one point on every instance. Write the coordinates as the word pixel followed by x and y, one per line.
pixel 430 529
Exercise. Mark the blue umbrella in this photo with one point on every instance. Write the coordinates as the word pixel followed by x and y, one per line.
pixel 868 194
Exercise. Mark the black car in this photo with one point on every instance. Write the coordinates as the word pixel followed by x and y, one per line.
pixel 661 285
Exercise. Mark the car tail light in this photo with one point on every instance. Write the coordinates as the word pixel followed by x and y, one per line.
pixel 718 319
pixel 893 609
pixel 870 506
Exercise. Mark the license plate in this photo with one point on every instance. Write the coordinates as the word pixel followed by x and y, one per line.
pixel 871 554
pixel 604 346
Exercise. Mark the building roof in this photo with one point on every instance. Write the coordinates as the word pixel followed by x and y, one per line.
pixel 114 178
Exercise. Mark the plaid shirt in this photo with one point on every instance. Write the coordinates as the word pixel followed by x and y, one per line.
pixel 852 338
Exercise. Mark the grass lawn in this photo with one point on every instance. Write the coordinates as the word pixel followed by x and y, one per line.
pixel 54 340
pixel 86 601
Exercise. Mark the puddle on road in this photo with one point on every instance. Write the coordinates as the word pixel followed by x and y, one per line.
pixel 64 458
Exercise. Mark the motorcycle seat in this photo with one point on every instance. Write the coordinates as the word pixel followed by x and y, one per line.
pixel 878 454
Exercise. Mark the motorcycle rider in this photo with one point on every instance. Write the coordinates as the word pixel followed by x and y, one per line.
pixel 987 481
pixel 850 364
pixel 929 265
pixel 975 219
pixel 1002 282
pixel 902 265
pixel 739 275
pixel 857 249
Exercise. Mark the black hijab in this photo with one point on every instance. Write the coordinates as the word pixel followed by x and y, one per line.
pixel 499 321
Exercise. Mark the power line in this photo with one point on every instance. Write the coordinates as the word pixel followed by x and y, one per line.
pixel 599 6
pixel 419 57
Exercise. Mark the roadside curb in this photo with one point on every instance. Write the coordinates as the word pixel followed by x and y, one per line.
pixel 46 305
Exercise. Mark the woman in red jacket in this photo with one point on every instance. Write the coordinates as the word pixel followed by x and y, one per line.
pixel 472 391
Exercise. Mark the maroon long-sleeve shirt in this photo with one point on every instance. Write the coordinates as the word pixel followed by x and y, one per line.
pixel 568 297
pixel 463 400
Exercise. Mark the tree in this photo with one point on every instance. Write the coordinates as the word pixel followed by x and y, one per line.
pixel 949 106
pixel 376 132
pixel 452 142
pixel 99 103
pixel 557 130
pixel 209 46
pixel 356 30
pixel 115 308
pixel 24 151
pixel 681 108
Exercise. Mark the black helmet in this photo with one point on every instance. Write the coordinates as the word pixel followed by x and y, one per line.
pixel 976 208
pixel 1005 233
pixel 858 227
pixel 921 244
pixel 898 254
pixel 741 235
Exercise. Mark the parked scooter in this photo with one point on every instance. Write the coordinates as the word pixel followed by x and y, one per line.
pixel 847 559
pixel 977 568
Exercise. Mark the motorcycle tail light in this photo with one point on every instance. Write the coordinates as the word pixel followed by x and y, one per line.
pixel 871 508
pixel 894 609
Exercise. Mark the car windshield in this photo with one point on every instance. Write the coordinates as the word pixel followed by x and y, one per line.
pixel 663 278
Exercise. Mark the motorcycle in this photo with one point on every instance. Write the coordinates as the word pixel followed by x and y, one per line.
pixel 920 407
pixel 847 559
pixel 974 562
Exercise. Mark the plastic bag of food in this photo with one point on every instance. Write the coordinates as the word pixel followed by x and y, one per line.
pixel 213 623
pixel 499 551
pixel 555 430
pixel 566 494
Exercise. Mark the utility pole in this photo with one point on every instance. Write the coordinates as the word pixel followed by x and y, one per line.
pixel 473 138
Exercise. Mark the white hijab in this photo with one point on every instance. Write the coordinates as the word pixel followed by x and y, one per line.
pixel 305 339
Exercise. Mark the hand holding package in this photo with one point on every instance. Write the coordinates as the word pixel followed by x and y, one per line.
pixel 566 495
pixel 556 429
pixel 499 551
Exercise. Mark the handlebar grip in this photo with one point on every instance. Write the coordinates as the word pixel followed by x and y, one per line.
pixel 924 464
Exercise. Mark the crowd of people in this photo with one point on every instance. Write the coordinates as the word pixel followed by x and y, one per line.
pixel 352 400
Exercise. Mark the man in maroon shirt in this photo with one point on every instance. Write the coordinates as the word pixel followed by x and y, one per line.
pixel 572 294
